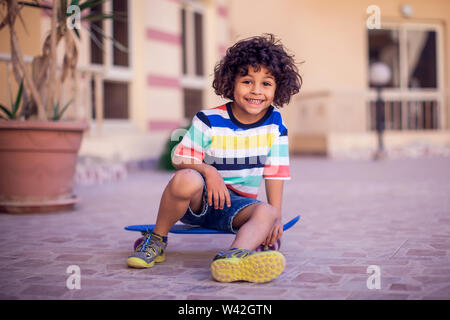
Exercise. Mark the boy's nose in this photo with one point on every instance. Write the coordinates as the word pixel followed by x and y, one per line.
pixel 256 89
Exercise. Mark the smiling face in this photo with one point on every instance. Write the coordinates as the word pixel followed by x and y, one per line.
pixel 253 94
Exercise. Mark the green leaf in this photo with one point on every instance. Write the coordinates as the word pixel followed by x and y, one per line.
pixel 90 4
pixel 116 43
pixel 118 16
pixel 77 33
pixel 5 110
pixel 35 5
pixel 57 115
pixel 65 108
pixel 97 42
pixel 18 99
pixel 55 111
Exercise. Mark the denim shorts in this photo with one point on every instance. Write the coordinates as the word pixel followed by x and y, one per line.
pixel 211 218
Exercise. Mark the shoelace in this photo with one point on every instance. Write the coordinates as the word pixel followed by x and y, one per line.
pixel 143 246
pixel 233 253
pixel 148 241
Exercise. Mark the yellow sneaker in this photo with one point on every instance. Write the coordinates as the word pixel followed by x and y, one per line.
pixel 246 265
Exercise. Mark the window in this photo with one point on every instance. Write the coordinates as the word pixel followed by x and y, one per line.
pixel 183 40
pixel 96 29
pixel 120 34
pixel 421 48
pixel 116 96
pixel 413 96
pixel 384 47
pixel 198 27
pixel 192 40
pixel 113 58
pixel 192 101
pixel 419 69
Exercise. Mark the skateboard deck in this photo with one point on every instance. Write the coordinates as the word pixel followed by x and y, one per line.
pixel 191 229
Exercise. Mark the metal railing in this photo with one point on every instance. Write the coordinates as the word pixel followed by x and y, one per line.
pixel 406 110
pixel 417 114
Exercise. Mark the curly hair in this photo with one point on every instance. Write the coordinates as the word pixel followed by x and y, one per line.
pixel 258 51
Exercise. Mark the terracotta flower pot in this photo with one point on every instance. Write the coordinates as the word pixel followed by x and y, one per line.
pixel 37 165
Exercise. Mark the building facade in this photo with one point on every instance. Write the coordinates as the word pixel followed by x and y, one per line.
pixel 337 41
pixel 135 99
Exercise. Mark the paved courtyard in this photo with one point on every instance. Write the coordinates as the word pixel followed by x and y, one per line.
pixel 393 214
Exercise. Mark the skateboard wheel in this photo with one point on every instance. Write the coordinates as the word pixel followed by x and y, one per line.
pixel 138 242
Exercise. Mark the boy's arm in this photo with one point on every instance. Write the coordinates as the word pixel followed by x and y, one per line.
pixel 190 163
pixel 274 194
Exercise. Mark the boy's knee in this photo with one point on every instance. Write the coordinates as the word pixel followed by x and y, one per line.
pixel 267 211
pixel 185 183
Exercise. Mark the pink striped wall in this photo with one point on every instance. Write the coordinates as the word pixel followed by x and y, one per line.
pixel 163 36
pixel 222 11
pixel 160 125
pixel 154 80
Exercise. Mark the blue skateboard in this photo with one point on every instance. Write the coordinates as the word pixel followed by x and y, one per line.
pixel 190 229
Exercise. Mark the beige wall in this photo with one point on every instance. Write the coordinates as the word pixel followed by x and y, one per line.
pixel 330 38
pixel 29 41
pixel 162 59
pixel 29 36
pixel 216 37
pixel 312 30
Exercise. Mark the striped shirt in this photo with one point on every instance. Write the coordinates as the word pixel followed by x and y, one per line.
pixel 243 154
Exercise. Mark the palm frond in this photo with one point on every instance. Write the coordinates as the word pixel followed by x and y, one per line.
pixel 116 43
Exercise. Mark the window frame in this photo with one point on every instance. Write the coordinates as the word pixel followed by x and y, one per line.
pixel 190 80
pixel 403 28
pixel 115 73
pixel 403 92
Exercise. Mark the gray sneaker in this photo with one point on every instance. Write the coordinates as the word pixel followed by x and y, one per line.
pixel 150 250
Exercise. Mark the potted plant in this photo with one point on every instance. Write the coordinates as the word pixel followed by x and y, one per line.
pixel 38 146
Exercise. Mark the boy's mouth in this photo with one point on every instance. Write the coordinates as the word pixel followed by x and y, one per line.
pixel 254 101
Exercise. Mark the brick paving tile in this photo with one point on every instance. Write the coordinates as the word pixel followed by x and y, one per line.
pixel 373 295
pixel 404 287
pixel 51 291
pixel 355 213
pixel 317 278
pixel 349 269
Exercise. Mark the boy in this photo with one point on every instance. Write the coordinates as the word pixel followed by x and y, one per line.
pixel 222 158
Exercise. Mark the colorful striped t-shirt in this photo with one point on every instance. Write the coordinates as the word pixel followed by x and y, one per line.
pixel 242 153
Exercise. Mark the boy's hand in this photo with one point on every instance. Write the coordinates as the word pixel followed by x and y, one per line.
pixel 275 233
pixel 217 190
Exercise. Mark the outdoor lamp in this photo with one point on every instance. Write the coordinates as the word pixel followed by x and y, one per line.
pixel 407 10
pixel 380 75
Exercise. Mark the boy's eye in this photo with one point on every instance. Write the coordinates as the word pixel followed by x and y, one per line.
pixel 265 83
